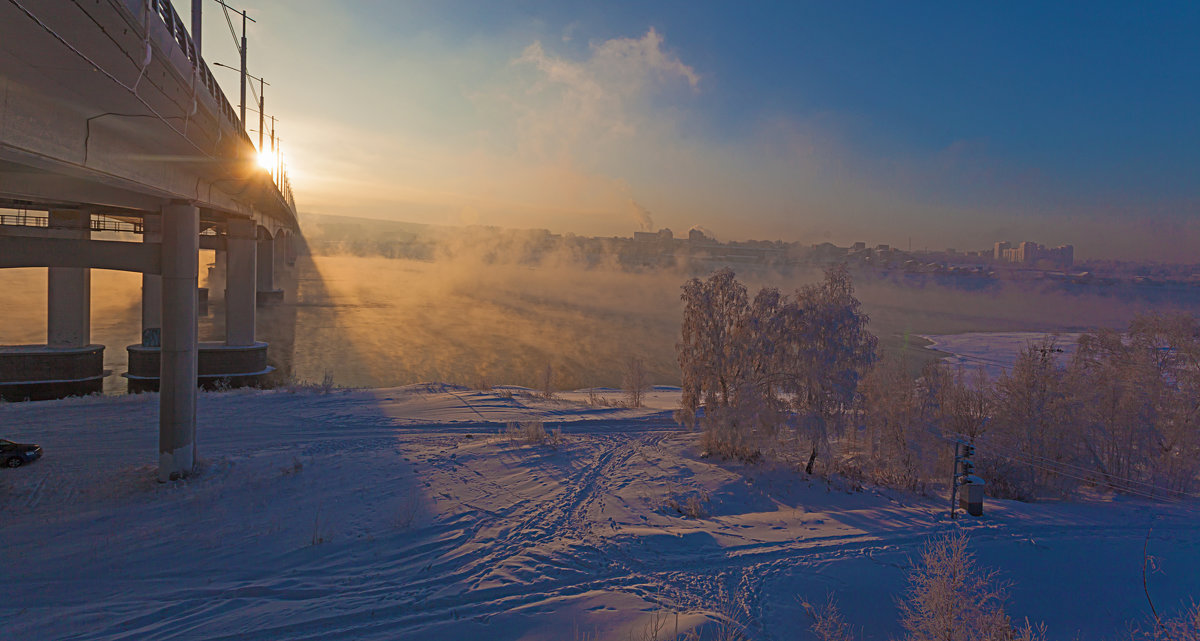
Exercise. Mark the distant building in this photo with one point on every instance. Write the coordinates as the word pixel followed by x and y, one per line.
pixel 1035 254
pixel 662 235
pixel 1001 247
pixel 858 247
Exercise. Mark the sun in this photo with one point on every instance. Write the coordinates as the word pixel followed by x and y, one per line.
pixel 266 160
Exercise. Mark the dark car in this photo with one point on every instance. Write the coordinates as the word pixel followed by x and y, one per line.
pixel 18 454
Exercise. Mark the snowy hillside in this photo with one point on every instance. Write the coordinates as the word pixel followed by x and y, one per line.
pixel 409 513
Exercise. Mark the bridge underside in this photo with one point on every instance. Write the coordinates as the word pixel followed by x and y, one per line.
pixel 107 113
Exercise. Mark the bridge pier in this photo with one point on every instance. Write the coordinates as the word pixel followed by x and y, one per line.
pixel 280 251
pixel 69 289
pixel 151 287
pixel 241 281
pixel 68 364
pixel 240 360
pixel 291 250
pixel 267 293
pixel 177 375
pixel 216 275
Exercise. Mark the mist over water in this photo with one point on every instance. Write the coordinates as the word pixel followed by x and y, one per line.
pixel 489 311
pixel 116 314
pixel 380 322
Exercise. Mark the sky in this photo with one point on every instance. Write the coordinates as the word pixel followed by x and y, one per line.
pixel 929 125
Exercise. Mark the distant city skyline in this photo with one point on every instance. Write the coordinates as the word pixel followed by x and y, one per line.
pixel 956 126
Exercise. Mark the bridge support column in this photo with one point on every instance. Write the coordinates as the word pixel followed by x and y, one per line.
pixel 266 265
pixel 266 272
pixel 279 249
pixel 241 282
pixel 69 295
pixel 177 376
pixel 216 275
pixel 151 288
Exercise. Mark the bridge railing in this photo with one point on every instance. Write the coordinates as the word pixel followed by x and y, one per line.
pixel 166 12
pixel 98 223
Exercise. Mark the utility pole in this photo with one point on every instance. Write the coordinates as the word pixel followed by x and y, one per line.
pixel 954 481
pixel 273 153
pixel 261 101
pixel 242 50
pixel 262 84
pixel 197 6
pixel 964 467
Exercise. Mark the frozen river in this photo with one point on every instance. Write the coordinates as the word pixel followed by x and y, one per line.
pixel 996 352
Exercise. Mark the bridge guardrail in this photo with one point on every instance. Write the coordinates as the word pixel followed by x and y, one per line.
pixel 98 223
pixel 166 12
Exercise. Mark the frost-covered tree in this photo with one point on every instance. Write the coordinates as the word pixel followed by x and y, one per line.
pixel 826 353
pixel 1138 403
pixel 1115 385
pixel 1033 410
pixel 776 360
pixel 709 359
pixel 1175 340
pixel 897 450
pixel 759 339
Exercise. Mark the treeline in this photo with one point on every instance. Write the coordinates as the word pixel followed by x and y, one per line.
pixel 796 378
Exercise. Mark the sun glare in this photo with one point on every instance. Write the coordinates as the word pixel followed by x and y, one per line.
pixel 266 160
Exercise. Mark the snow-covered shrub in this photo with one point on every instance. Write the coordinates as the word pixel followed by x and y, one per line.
pixel 1184 626
pixel 527 431
pixel 727 435
pixel 692 506
pixel 828 622
pixel 635 381
pixel 325 386
pixel 596 400
pixel 547 381
pixel 950 599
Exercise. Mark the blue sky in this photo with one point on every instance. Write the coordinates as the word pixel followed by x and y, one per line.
pixel 957 124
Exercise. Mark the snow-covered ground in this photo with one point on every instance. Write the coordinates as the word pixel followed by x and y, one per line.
pixel 996 352
pixel 406 513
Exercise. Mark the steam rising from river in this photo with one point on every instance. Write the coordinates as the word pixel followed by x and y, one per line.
pixel 488 307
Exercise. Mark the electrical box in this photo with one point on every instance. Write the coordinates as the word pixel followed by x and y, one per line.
pixel 970 497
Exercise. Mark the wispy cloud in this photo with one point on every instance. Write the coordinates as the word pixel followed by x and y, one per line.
pixel 540 130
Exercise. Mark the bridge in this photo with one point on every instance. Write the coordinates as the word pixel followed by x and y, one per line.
pixel 111 121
